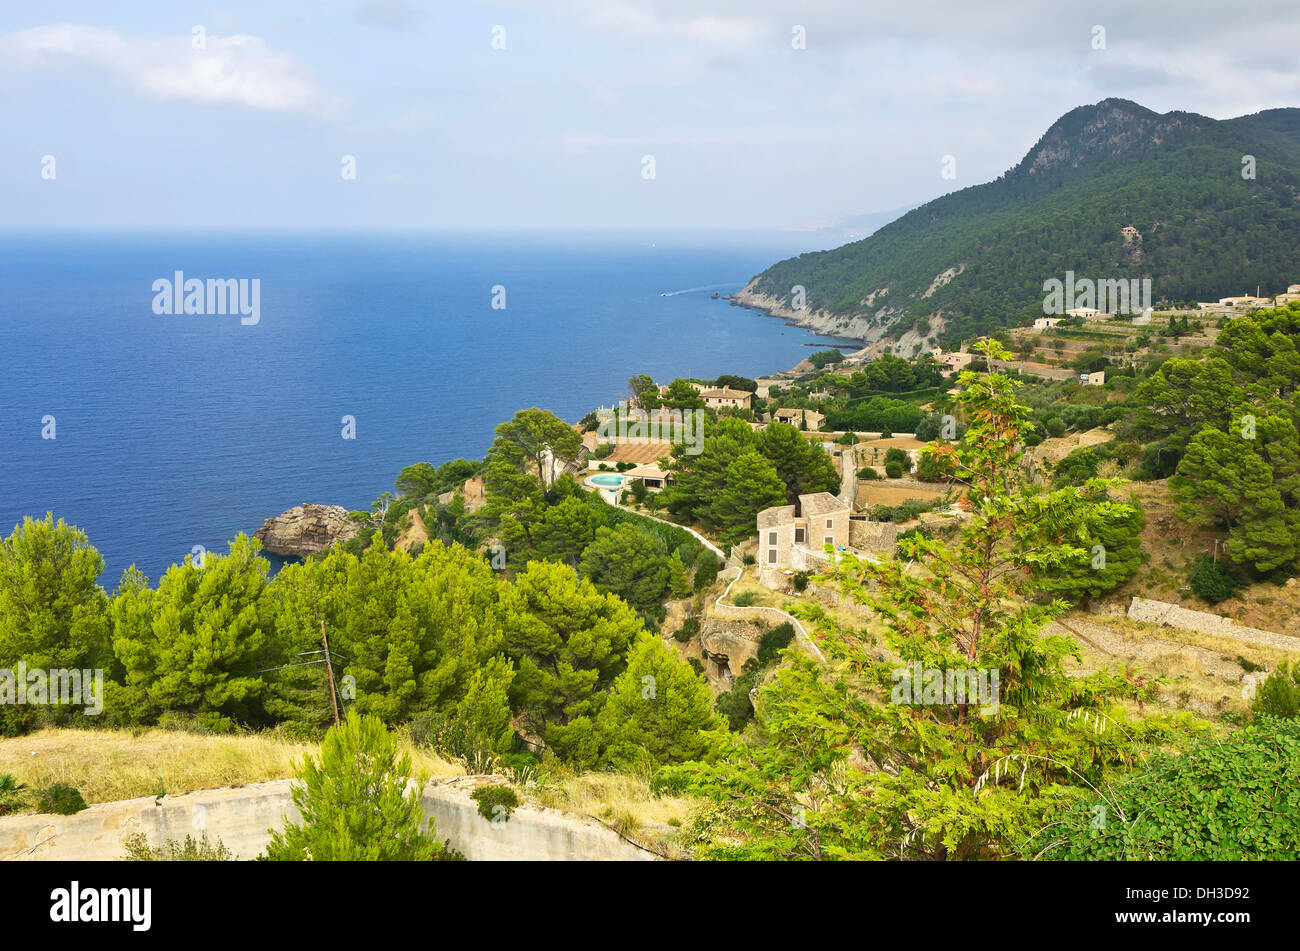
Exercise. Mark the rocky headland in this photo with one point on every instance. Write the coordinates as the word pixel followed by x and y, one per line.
pixel 306 530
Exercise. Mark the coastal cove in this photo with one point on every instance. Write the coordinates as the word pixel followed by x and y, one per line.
pixel 180 430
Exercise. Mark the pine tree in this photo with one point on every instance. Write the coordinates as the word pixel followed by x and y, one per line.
pixel 679 585
pixel 354 802
pixel 659 711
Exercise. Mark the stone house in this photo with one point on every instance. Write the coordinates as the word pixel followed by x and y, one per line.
pixel 795 536
pixel 808 419
pixel 719 397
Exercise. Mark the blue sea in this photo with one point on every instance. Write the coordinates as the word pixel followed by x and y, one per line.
pixel 176 431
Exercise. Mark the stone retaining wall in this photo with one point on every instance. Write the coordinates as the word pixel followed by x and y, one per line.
pixel 1171 615
pixel 242 819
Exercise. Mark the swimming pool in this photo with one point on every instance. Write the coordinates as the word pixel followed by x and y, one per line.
pixel 608 480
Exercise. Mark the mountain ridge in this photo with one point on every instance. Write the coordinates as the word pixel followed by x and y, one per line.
pixel 1110 190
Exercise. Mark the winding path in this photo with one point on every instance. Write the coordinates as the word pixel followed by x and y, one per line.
pixel 793 620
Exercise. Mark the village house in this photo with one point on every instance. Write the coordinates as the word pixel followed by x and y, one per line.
pixel 719 397
pixel 1292 294
pixel 795 536
pixel 1046 323
pixel 808 419
pixel 953 361
pixel 1245 301
pixel 653 476
pixel 1093 379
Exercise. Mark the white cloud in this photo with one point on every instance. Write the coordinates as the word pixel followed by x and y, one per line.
pixel 238 69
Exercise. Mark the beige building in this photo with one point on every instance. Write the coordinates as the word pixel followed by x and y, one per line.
pixel 655 478
pixel 719 397
pixel 953 361
pixel 1046 323
pixel 1093 379
pixel 1245 301
pixel 795 536
pixel 808 419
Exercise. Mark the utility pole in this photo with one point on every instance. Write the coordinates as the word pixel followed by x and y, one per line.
pixel 329 666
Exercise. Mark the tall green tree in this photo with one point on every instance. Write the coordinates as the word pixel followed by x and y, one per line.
pixel 802 465
pixel 628 563
pixel 53 614
pixel 568 641
pixel 52 610
pixel 659 711
pixel 751 485
pixel 197 644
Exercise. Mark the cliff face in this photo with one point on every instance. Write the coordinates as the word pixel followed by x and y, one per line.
pixel 866 328
pixel 306 530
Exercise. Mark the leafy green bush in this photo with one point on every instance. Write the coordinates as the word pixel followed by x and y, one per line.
pixel 1227 799
pixel 801 579
pixel 495 803
pixel 893 469
pixel 60 799
pixel 746 599
pixel 868 474
pixel 386 824
pixel 1211 581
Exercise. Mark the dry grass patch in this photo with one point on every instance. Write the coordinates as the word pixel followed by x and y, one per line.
pixel 110 765
pixel 624 803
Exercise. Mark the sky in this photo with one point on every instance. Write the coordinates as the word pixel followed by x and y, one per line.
pixel 546 114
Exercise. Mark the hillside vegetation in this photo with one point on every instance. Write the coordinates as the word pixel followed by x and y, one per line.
pixel 1202 230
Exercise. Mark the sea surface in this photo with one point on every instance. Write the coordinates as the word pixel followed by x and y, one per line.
pixel 177 431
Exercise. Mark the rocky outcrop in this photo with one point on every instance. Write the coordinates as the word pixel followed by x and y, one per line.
pixel 306 530
pixel 726 645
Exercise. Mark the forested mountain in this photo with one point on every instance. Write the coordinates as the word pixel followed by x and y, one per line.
pixel 1203 230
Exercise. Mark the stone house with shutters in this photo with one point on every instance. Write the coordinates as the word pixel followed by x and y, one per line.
pixel 795 536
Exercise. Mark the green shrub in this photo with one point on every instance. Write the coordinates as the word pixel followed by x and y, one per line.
pixel 801 579
pixel 706 570
pixel 60 799
pixel 495 803
pixel 1279 695
pixel 773 642
pixel 336 824
pixel 1227 799
pixel 12 798
pixel 868 474
pixel 1211 581
pixel 690 627
pixel 735 705
pixel 745 600
pixel 191 850
pixel 893 470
